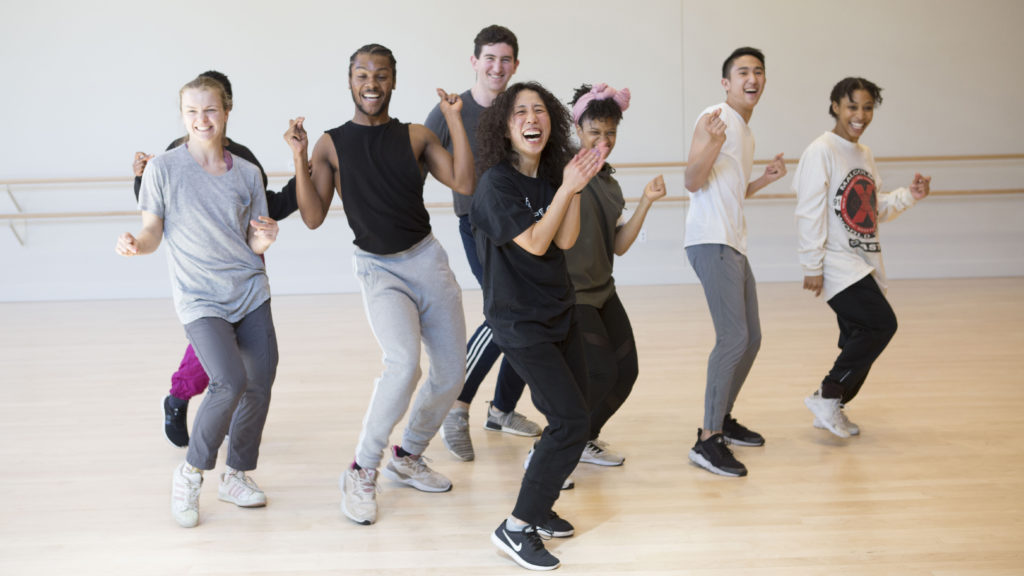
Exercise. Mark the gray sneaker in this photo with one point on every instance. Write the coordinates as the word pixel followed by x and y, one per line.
pixel 359 495
pixel 510 422
pixel 455 434
pixel 597 452
pixel 415 473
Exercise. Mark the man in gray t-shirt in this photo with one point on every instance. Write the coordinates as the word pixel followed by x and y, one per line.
pixel 495 59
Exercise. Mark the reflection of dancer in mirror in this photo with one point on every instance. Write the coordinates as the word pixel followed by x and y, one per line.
pixel 525 213
pixel 190 379
pixel 606 231
pixel 495 59
pixel 718 179
pixel 211 208
pixel 838 212
pixel 411 298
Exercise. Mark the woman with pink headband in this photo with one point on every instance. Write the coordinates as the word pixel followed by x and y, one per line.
pixel 606 230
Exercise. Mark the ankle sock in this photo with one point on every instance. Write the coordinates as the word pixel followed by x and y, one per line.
pixel 401 453
pixel 512 526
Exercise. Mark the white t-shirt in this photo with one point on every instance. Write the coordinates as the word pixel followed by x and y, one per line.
pixel 716 210
pixel 838 210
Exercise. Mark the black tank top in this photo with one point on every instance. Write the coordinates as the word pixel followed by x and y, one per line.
pixel 381 186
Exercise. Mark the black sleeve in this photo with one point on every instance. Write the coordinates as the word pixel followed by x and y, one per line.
pixel 138 179
pixel 283 203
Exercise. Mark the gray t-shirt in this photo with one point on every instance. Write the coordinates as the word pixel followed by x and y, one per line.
pixel 471 112
pixel 214 273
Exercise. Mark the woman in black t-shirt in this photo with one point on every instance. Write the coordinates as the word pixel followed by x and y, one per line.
pixel 525 212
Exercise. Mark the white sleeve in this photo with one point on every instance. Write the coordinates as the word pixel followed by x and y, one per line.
pixel 891 204
pixel 811 185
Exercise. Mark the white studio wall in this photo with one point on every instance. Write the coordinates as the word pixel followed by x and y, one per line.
pixel 86 84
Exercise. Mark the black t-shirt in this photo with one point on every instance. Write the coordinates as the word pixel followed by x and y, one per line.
pixel 527 298
pixel 381 186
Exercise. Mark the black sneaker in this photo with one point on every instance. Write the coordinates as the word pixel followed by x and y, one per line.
pixel 556 527
pixel 714 456
pixel 526 548
pixel 740 435
pixel 176 421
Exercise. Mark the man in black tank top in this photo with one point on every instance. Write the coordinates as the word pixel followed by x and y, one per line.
pixel 376 164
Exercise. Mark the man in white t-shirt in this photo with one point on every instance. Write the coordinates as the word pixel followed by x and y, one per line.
pixel 718 180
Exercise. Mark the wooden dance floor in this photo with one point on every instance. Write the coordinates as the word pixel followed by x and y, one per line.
pixel 933 486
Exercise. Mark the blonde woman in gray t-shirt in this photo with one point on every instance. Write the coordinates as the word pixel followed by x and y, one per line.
pixel 211 209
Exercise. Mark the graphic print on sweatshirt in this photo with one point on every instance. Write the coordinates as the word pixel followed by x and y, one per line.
pixel 856 204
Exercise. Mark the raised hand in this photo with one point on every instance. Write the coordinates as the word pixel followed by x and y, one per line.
pixel 141 159
pixel 296 136
pixel 814 284
pixel 713 125
pixel 450 102
pixel 921 186
pixel 655 188
pixel 583 166
pixel 126 245
pixel 775 169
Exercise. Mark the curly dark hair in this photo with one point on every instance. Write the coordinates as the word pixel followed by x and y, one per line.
pixel 847 86
pixel 493 141
pixel 606 109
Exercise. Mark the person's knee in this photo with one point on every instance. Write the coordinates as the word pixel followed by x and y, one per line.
pixel 403 370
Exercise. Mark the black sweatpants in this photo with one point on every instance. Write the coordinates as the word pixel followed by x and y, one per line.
pixel 556 373
pixel 611 359
pixel 866 325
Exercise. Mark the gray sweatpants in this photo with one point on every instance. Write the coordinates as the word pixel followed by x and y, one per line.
pixel 241 360
pixel 409 296
pixel 731 293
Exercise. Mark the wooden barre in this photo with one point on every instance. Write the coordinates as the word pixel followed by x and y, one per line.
pixel 443 205
pixel 623 165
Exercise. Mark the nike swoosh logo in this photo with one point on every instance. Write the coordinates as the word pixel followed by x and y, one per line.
pixel 508 539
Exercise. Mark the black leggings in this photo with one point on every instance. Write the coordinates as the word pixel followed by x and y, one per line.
pixel 866 325
pixel 611 359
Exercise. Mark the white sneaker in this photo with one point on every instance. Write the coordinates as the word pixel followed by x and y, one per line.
pixel 828 413
pixel 596 452
pixel 569 483
pixel 852 428
pixel 185 487
pixel 239 489
pixel 416 473
pixel 359 495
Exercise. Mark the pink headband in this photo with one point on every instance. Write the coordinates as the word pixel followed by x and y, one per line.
pixel 600 92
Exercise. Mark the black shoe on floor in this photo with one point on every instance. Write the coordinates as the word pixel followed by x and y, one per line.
pixel 556 527
pixel 526 548
pixel 740 435
pixel 176 421
pixel 714 456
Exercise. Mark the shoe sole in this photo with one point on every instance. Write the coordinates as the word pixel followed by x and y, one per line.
pixel 817 424
pixel 515 557
pixel 227 498
pixel 824 422
pixel 701 461
pixel 444 440
pixel 361 522
pixel 507 430
pixel 392 474
pixel 601 462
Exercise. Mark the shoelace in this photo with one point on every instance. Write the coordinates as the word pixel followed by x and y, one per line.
pixel 536 537
pixel 245 479
pixel 367 484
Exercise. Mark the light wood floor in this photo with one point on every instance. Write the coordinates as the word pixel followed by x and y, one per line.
pixel 934 485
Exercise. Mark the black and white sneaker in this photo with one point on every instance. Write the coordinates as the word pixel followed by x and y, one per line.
pixel 556 527
pixel 176 421
pixel 740 435
pixel 714 456
pixel 526 548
